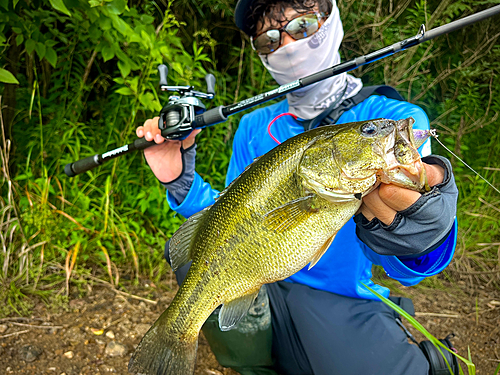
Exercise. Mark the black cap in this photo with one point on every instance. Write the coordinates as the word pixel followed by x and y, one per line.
pixel 241 15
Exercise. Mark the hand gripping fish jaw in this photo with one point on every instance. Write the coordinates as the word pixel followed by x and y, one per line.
pixel 359 156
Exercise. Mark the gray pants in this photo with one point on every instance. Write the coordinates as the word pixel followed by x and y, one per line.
pixel 320 333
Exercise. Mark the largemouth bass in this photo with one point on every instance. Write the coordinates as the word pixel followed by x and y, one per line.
pixel 279 215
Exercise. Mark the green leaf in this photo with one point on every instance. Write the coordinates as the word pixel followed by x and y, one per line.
pixel 147 99
pixel 145 36
pixel 120 25
pixel 7 77
pixel 107 53
pixel 59 5
pixel 51 56
pixel 94 33
pixel 147 19
pixel 178 68
pixel 134 83
pixel 40 50
pixel 105 23
pixel 117 6
pixel 19 39
pixel 4 4
pixel 124 91
pixel 30 45
pixel 50 43
pixel 15 3
pixel 124 68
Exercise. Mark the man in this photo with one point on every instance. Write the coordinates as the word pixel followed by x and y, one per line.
pixel 323 321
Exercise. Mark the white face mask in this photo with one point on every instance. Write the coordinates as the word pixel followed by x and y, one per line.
pixel 310 55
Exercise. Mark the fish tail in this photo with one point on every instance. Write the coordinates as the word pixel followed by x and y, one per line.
pixel 160 353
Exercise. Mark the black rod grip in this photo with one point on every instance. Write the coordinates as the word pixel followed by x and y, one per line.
pixel 210 117
pixel 83 165
pixel 141 144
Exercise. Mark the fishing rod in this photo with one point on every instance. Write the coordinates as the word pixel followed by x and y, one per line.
pixel 186 112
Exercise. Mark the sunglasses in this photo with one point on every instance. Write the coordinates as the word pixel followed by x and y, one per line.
pixel 300 27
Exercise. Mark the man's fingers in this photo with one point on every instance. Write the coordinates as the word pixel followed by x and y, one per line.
pixel 397 198
pixel 150 131
pixel 388 199
pixel 435 174
pixel 159 139
pixel 376 207
pixel 188 142
pixel 400 199
pixel 366 212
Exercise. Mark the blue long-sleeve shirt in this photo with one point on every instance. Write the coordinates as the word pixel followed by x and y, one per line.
pixel 348 262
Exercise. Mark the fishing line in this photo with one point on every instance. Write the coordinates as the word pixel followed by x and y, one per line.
pixel 434 135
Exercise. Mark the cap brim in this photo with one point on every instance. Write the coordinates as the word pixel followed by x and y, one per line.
pixel 241 15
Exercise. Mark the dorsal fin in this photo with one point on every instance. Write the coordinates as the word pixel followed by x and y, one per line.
pixel 232 311
pixel 181 244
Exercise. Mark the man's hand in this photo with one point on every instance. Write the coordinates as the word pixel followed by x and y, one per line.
pixel 386 200
pixel 165 158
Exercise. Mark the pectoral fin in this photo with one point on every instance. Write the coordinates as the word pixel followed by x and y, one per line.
pixel 316 257
pixel 181 243
pixel 232 311
pixel 291 214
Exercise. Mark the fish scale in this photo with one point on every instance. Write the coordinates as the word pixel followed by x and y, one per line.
pixel 279 215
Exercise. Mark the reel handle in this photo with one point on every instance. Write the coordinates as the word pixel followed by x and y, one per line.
pixel 163 70
pixel 210 79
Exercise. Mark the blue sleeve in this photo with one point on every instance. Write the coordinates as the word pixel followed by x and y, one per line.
pixel 407 271
pixel 412 271
pixel 201 194
pixel 243 153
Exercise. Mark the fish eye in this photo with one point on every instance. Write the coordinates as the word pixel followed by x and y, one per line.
pixel 369 129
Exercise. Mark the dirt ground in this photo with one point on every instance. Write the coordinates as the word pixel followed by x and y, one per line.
pixel 98 333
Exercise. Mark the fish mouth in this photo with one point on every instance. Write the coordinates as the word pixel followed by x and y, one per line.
pixel 404 167
pixel 411 177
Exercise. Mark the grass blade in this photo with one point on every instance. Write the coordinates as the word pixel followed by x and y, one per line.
pixel 497 370
pixel 470 366
pixel 108 263
pixel 69 265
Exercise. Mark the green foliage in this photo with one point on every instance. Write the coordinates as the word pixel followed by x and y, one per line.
pixel 7 77
pixel 90 79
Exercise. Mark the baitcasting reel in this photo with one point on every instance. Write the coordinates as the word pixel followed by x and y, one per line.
pixel 178 115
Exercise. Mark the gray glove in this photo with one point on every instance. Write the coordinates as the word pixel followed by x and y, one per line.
pixel 419 229
pixel 179 187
